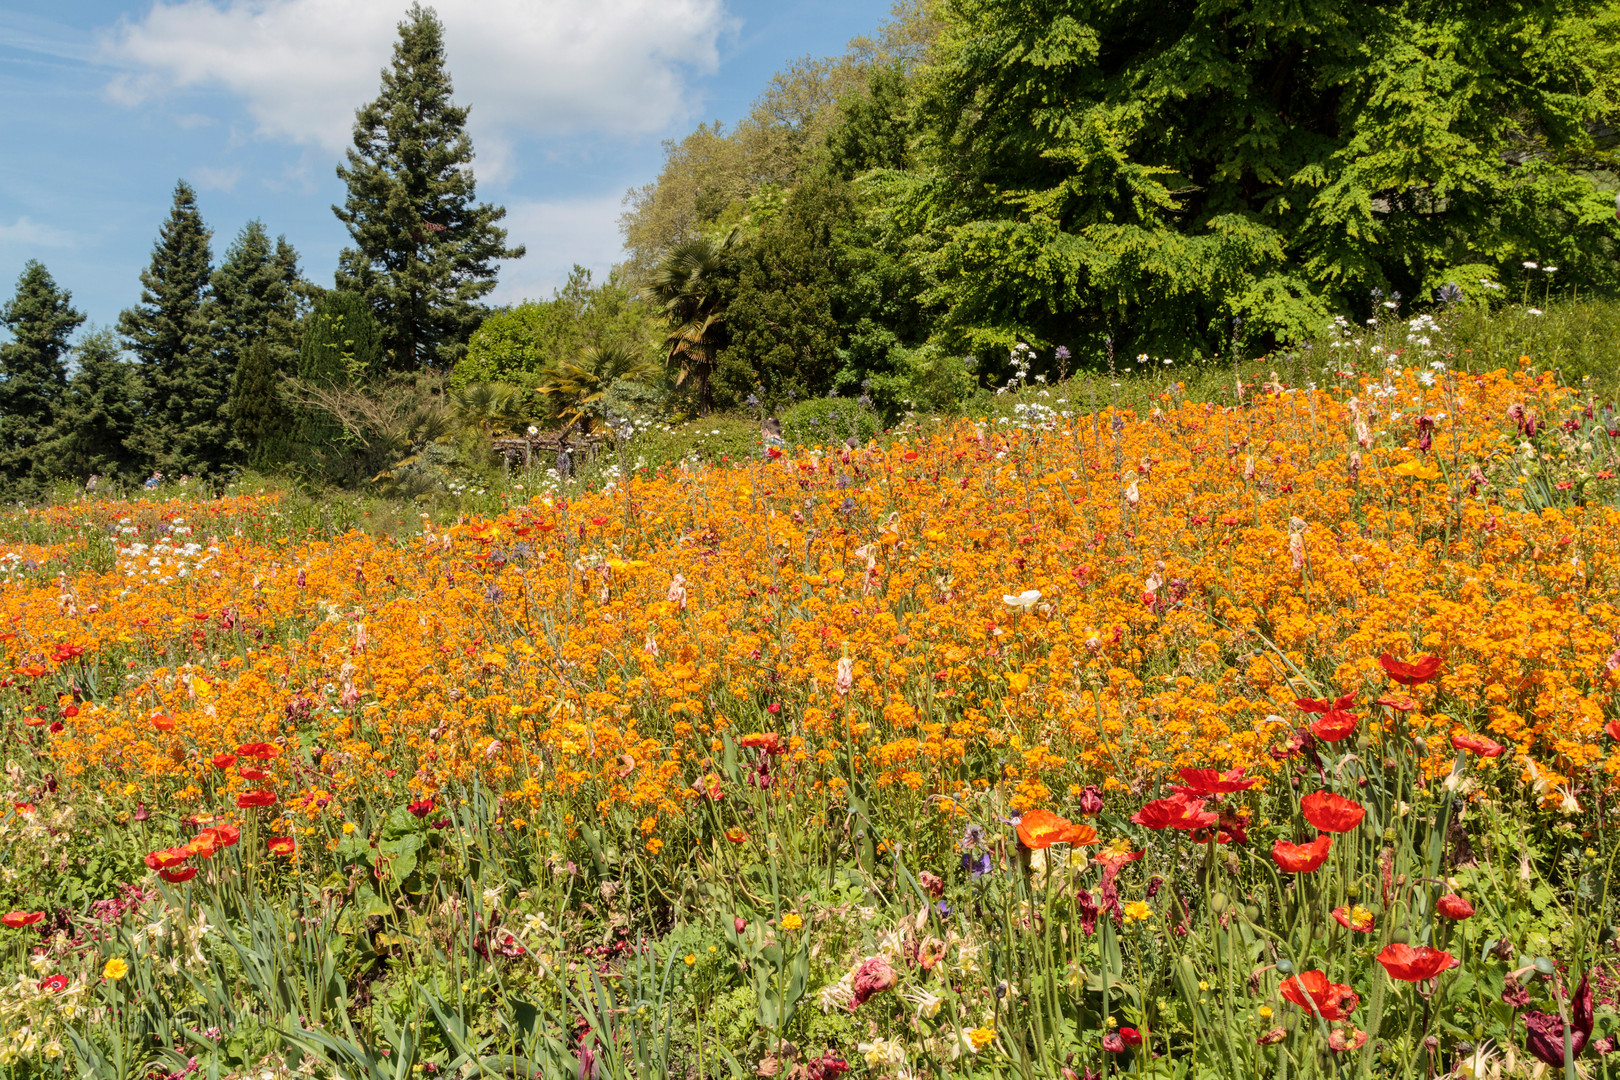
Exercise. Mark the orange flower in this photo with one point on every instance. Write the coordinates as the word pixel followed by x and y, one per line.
pixel 164 858
pixel 162 721
pixel 1331 813
pixel 1411 673
pixel 1311 990
pixel 736 835
pixel 1042 828
pixel 1414 965
pixel 768 741
pixel 1302 858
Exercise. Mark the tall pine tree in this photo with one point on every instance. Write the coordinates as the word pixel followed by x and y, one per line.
pixel 255 298
pixel 181 431
pixel 425 249
pixel 95 433
pixel 33 373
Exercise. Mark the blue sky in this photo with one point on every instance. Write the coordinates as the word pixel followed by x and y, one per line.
pixel 107 104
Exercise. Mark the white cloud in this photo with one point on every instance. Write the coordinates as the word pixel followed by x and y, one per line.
pixel 544 67
pixel 25 232
pixel 212 179
pixel 558 235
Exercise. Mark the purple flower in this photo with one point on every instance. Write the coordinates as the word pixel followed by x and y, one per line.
pixel 1545 1031
pixel 977 865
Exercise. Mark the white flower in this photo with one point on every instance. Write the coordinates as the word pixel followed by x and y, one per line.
pixel 1535 311
pixel 1530 266
pixel 1549 269
pixel 1025 599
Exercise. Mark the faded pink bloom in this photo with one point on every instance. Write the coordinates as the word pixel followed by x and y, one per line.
pixel 872 978
pixel 845 682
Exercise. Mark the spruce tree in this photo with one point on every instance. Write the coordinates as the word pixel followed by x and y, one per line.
pixel 256 295
pixel 33 373
pixel 424 250
pixel 96 429
pixel 168 333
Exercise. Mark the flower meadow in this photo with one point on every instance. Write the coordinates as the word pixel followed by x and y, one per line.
pixel 1268 736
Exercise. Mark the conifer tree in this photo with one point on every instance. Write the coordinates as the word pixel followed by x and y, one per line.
pixel 256 296
pixel 168 333
pixel 95 432
pixel 259 415
pixel 33 373
pixel 424 249
pixel 342 341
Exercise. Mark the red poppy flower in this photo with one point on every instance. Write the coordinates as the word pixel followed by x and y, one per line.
pixel 736 835
pixel 1613 729
pixel 281 845
pixel 224 761
pixel 35 721
pixel 1202 782
pixel 175 877
pixel 19 919
pixel 1414 965
pixel 1331 813
pixel 1325 705
pixel 164 858
pixel 163 722
pixel 55 984
pixel 1130 1036
pixel 250 799
pixel 1341 1040
pixel 1398 702
pixel 227 835
pixel 252 774
pixel 1358 919
pixel 204 844
pixel 1041 829
pixel 1477 744
pixel 1335 726
pixel 1420 670
pixel 1176 812
pixel 420 807
pixel 1302 858
pixel 1335 1001
pixel 768 741
pixel 262 750
pixel 1455 907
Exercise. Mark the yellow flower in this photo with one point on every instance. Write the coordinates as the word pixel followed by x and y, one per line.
pixel 981 1037
pixel 1265 1012
pixel 791 921
pixel 691 958
pixel 348 827
pixel 116 969
pixel 1137 911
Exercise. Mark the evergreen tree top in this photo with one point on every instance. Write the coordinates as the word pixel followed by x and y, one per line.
pixel 424 248
pixel 41 318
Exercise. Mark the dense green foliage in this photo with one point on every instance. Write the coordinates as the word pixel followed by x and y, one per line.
pixel 424 248
pixel 100 415
pixel 1154 174
pixel 33 371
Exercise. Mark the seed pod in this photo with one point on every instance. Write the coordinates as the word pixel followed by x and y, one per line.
pixel 1218 903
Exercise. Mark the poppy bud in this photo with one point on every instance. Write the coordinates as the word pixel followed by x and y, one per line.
pixel 740 923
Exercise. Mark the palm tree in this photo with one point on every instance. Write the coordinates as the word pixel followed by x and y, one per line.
pixel 575 388
pixel 688 285
pixel 487 408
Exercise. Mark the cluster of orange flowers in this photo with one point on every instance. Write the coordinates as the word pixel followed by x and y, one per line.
pixel 1038 604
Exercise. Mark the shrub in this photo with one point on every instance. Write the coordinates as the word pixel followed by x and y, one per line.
pixel 827 422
